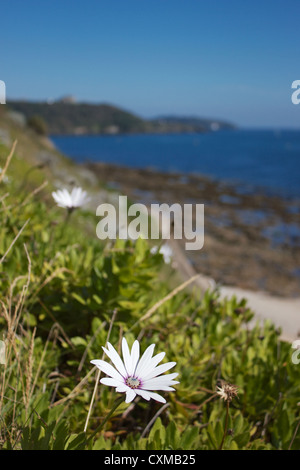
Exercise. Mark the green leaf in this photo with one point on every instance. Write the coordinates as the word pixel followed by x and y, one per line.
pixel 76 442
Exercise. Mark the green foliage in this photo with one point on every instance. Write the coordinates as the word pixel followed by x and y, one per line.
pixel 60 288
pixel 38 124
pixel 63 117
pixel 68 118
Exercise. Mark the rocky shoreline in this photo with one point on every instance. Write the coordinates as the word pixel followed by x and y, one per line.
pixel 252 238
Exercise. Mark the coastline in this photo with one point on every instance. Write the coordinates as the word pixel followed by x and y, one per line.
pixel 236 257
pixel 247 239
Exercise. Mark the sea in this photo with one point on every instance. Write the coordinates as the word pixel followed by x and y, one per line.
pixel 268 159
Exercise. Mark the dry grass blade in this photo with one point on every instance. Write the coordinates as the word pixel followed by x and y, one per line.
pixel 15 346
pixel 77 390
pixel 165 299
pixel 2 174
pixel 4 197
pixel 13 242
pixel 28 369
pixel 98 374
pixel 294 435
pixel 152 421
pixel 49 279
pixel 33 193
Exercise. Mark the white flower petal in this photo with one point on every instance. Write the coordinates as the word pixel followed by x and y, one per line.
pixel 151 364
pixel 126 356
pixel 115 358
pixel 55 196
pixel 110 382
pixel 60 198
pixel 78 197
pixel 143 393
pixel 143 363
pixel 156 359
pixel 157 397
pixel 107 369
pixel 135 355
pixel 157 387
pixel 123 388
pixel 165 388
pixel 157 382
pixel 159 370
pixel 167 253
pixel 66 198
pixel 130 395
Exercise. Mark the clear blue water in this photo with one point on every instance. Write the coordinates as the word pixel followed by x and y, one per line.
pixel 248 158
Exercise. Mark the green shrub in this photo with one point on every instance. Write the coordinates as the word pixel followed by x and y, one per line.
pixel 60 289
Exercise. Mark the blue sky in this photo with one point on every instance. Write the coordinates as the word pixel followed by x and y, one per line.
pixel 229 59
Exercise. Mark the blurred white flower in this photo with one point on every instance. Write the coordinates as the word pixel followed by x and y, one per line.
pixel 5 178
pixel 135 375
pixel 164 250
pixel 2 352
pixel 70 200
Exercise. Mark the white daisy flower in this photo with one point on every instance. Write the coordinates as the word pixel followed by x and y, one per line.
pixel 70 201
pixel 164 250
pixel 135 375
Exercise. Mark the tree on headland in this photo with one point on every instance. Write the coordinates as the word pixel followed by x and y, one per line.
pixel 38 124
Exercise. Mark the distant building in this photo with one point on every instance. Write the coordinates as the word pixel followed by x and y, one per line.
pixel 112 129
pixel 80 130
pixel 215 126
pixel 68 99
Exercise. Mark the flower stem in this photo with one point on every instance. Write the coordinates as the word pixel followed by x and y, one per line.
pixel 226 425
pixel 115 406
pixel 68 214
